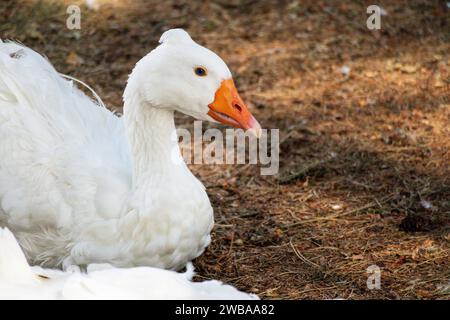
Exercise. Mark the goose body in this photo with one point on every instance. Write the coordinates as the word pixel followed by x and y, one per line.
pixel 80 186
pixel 19 281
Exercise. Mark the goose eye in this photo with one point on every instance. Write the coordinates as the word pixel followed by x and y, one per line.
pixel 200 71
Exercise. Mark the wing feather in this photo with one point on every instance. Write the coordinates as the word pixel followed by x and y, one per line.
pixel 63 158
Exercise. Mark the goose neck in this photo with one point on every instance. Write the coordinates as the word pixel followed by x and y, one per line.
pixel 153 143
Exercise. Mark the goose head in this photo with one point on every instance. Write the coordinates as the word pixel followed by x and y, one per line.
pixel 184 76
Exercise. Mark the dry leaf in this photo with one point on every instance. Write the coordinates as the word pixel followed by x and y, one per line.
pixel 409 69
pixel 73 59
pixel 370 74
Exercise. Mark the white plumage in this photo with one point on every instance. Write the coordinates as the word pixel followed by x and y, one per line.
pixel 19 281
pixel 79 185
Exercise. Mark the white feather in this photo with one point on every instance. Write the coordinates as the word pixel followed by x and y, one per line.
pixel 19 281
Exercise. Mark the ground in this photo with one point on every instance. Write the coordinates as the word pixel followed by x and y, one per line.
pixel 364 129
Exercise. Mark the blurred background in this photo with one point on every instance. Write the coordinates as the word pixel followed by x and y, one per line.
pixel 364 127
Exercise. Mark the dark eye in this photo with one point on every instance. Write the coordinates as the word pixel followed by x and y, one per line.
pixel 200 71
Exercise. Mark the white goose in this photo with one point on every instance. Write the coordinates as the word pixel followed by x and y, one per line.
pixel 79 185
pixel 20 281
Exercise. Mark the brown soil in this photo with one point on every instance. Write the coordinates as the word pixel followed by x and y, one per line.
pixel 364 173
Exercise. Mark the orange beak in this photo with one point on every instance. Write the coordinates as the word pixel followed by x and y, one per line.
pixel 228 108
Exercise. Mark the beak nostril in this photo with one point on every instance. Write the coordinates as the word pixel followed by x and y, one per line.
pixel 238 107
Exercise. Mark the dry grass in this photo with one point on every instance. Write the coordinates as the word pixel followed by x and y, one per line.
pixel 364 157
